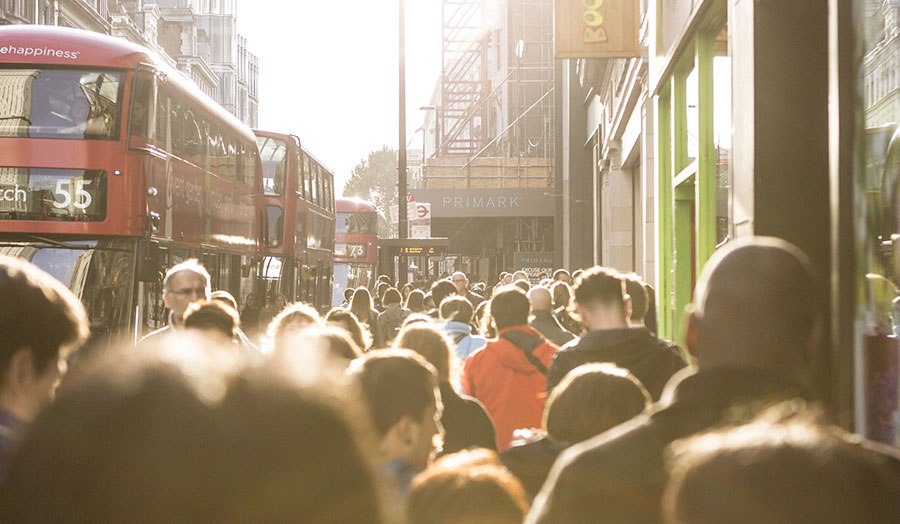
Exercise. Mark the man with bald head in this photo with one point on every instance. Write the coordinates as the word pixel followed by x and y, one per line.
pixel 542 318
pixel 461 282
pixel 752 330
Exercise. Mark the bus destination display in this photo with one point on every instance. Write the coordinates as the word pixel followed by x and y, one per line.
pixel 66 195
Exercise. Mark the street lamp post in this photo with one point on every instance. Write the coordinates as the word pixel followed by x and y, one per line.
pixel 401 161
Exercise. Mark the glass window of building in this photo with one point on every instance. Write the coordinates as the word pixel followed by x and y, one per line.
pixel 877 225
pixel 691 78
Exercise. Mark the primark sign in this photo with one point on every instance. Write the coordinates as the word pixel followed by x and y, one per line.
pixel 470 203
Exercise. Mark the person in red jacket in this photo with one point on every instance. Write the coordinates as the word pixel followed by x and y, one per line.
pixel 509 375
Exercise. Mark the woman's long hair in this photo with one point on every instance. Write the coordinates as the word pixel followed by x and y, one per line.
pixel 363 306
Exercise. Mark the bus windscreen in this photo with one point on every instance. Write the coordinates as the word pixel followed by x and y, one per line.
pixel 60 103
pixel 355 223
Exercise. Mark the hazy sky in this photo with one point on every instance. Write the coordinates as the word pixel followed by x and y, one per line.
pixel 329 72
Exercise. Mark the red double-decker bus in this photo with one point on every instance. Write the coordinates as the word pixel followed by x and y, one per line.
pixel 298 251
pixel 113 166
pixel 358 226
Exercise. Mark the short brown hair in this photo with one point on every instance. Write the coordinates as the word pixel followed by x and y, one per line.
pixel 38 312
pixel 591 399
pixel 457 309
pixel 347 321
pixel 469 486
pixel 395 383
pixel 295 317
pixel 600 285
pixel 640 302
pixel 338 343
pixel 426 340
pixel 510 307
pixel 212 315
pixel 391 296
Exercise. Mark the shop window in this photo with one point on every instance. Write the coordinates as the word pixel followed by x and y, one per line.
pixel 877 202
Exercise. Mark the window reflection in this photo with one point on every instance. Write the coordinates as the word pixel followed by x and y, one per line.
pixel 60 103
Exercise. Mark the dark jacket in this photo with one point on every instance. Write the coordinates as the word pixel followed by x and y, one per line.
pixel 466 422
pixel 474 299
pixel 388 324
pixel 652 360
pixel 619 476
pixel 531 462
pixel 10 430
pixel 546 323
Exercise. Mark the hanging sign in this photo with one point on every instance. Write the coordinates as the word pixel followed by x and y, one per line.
pixel 597 28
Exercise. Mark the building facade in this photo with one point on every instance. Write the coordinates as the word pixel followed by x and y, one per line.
pixel 489 138
pixel 198 37
pixel 752 118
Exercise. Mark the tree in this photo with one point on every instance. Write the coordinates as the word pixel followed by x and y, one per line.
pixel 375 179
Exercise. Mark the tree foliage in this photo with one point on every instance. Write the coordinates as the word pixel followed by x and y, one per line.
pixel 375 179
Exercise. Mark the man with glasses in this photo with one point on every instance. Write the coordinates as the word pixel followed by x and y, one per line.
pixel 184 284
pixel 461 283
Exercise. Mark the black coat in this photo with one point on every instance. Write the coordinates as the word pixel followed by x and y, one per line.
pixel 652 360
pixel 531 463
pixel 619 476
pixel 547 325
pixel 466 422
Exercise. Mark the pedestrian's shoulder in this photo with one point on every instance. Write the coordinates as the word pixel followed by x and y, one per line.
pixel 630 450
pixel 675 352
pixel 570 346
pixel 153 334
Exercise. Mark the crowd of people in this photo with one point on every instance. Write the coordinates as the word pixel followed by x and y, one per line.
pixel 551 401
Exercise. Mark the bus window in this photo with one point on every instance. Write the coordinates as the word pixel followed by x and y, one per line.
pixel 320 197
pixel 176 127
pixel 275 218
pixel 211 148
pixel 274 164
pixel 314 182
pixel 162 118
pixel 141 106
pixel 355 223
pixel 239 161
pixel 193 140
pixel 231 155
pixel 301 174
pixel 61 103
pixel 307 176
pixel 329 194
pixel 250 166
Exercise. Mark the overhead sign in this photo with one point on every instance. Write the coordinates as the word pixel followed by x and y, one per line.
pixel 419 251
pixel 470 203
pixel 597 28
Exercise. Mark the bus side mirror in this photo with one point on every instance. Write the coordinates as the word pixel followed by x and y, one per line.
pixel 149 262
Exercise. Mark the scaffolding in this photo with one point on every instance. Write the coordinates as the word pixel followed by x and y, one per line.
pixel 531 90
pixel 463 78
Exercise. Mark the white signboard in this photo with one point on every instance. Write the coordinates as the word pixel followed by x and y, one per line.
pixel 410 212
pixel 420 231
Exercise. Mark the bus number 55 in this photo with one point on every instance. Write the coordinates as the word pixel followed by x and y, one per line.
pixel 83 199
